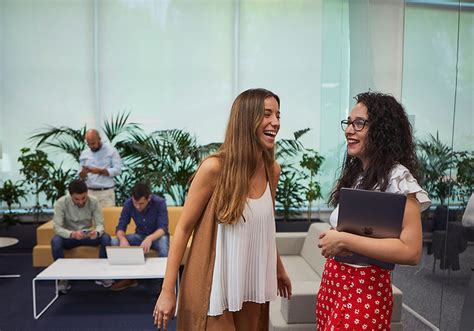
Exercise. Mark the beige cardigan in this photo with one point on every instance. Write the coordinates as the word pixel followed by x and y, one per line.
pixel 195 286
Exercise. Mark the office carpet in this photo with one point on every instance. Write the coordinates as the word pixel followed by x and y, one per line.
pixel 86 306
pixel 91 307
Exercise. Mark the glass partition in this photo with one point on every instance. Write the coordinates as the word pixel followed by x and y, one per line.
pixel 437 92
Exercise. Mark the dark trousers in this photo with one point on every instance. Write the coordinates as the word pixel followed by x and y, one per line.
pixel 59 244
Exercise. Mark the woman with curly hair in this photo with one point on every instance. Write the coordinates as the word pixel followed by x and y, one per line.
pixel 380 156
pixel 233 269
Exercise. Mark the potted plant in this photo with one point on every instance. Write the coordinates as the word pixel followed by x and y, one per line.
pixel 436 161
pixel 464 176
pixel 58 180
pixel 289 193
pixel 11 193
pixel 311 161
pixel 35 170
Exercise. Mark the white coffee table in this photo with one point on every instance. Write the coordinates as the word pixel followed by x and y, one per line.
pixel 94 269
pixel 5 242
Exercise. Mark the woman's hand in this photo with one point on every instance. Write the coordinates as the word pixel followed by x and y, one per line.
pixel 164 309
pixel 284 284
pixel 331 244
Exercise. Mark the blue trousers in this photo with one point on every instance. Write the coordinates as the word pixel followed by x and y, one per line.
pixel 160 245
pixel 59 244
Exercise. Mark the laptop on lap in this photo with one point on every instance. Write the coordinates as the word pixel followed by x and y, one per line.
pixel 371 214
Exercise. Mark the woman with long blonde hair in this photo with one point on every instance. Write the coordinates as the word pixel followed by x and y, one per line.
pixel 233 269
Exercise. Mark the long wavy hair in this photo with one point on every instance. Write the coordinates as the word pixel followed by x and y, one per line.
pixel 239 154
pixel 389 142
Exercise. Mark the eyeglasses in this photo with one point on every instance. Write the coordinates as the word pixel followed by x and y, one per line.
pixel 357 125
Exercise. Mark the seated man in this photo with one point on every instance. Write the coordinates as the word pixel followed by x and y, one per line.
pixel 78 221
pixel 150 215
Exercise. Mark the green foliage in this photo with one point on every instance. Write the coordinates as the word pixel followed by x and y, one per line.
pixel 311 161
pixel 436 161
pixel 58 180
pixel 62 139
pixel 165 160
pixel 445 173
pixel 289 192
pixel 11 193
pixel 117 127
pixel 35 166
pixel 465 175
pixel 123 186
pixel 290 189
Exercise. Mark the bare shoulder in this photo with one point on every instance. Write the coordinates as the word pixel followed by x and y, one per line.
pixel 276 169
pixel 210 167
pixel 209 170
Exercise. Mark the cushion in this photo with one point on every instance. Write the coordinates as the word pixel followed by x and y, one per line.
pixel 311 252
pixel 302 306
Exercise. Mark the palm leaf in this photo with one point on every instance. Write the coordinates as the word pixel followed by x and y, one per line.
pixel 300 133
pixel 62 139
pixel 117 126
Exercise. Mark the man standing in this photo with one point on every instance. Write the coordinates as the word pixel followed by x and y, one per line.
pixel 99 164
pixel 78 221
pixel 150 215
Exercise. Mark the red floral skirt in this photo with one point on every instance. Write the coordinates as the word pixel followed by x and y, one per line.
pixel 352 298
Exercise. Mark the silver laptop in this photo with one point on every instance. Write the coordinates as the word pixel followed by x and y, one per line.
pixel 130 255
pixel 370 214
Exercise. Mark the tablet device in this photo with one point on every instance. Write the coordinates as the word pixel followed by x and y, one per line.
pixel 371 214
pixel 125 255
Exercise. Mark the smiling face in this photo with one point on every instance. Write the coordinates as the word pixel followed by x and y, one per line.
pixel 356 140
pixel 270 125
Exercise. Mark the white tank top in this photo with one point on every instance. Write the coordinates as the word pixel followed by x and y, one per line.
pixel 245 264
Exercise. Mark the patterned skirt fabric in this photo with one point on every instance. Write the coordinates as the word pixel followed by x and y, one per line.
pixel 352 298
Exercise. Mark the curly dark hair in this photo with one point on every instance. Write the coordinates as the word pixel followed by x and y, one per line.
pixel 389 142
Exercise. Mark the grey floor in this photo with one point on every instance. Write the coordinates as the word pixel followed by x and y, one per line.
pixel 438 297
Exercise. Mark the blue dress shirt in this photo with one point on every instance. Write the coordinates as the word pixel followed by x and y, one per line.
pixel 154 217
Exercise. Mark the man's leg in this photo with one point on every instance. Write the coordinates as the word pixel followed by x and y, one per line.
pixel 104 242
pixel 114 241
pixel 57 247
pixel 135 239
pixel 161 246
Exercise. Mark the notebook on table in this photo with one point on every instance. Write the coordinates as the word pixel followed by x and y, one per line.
pixel 126 255
pixel 371 214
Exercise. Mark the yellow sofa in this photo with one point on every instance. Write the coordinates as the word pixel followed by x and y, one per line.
pixel 42 256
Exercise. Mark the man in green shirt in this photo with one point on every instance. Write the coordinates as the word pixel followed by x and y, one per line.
pixel 78 221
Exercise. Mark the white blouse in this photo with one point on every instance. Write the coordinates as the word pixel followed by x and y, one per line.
pixel 245 264
pixel 402 182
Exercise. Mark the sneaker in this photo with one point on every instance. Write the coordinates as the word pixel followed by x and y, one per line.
pixel 123 284
pixel 63 286
pixel 105 282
